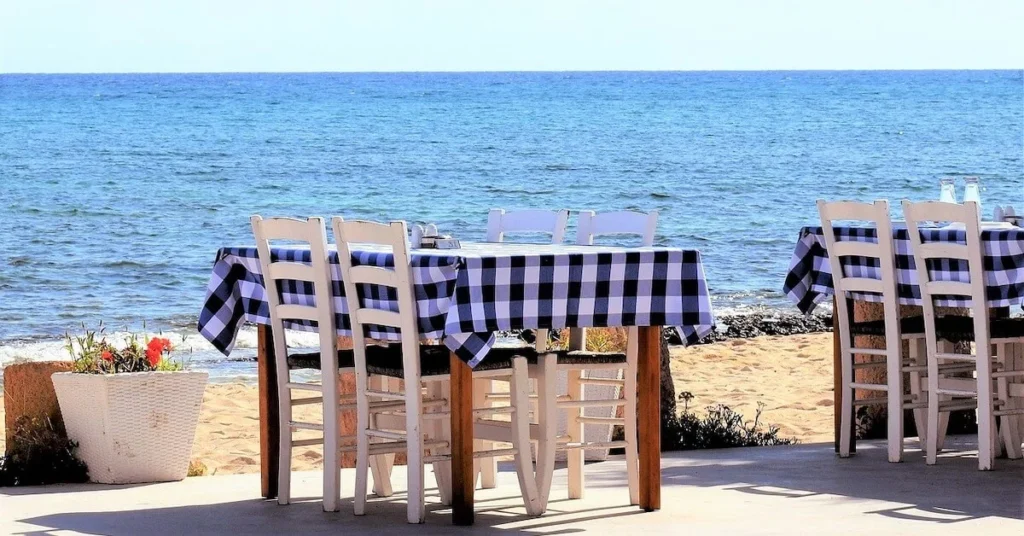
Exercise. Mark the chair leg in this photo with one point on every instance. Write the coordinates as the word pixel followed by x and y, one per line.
pixel 284 467
pixel 547 417
pixel 442 430
pixel 575 432
pixel 943 425
pixel 629 413
pixel 416 511
pixel 332 436
pixel 894 379
pixel 487 468
pixel 985 418
pixel 1008 430
pixel 846 411
pixel 917 353
pixel 362 444
pixel 1016 428
pixel 519 390
pixel 933 428
pixel 379 469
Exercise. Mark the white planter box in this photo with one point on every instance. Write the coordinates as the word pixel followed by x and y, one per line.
pixel 132 427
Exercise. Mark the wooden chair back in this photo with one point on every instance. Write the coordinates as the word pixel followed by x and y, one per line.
pixel 623 222
pixel 882 251
pixel 393 235
pixel 318 272
pixel 935 254
pixel 501 222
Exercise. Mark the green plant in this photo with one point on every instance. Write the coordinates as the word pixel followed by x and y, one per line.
pixel 40 453
pixel 91 353
pixel 720 427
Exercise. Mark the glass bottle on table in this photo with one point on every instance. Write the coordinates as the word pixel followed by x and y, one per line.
pixel 972 191
pixel 947 190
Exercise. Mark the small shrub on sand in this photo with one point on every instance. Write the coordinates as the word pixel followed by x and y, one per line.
pixel 598 340
pixel 40 454
pixel 197 468
pixel 720 427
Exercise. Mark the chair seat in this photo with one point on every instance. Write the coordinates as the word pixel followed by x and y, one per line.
pixel 961 328
pixel 913 325
pixel 950 328
pixel 584 358
pixel 434 359
pixel 311 360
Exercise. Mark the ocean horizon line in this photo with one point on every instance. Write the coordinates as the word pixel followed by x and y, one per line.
pixel 533 71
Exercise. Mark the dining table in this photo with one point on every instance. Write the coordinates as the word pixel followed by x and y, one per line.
pixel 809 279
pixel 465 297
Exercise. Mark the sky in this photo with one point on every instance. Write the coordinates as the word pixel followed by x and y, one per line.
pixel 49 36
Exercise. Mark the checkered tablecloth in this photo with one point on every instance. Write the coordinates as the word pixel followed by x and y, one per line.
pixel 809 280
pixel 465 295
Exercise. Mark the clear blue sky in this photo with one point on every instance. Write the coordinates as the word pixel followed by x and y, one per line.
pixel 475 35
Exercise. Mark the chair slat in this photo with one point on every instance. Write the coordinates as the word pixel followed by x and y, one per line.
pixel 623 222
pixel 862 284
pixel 297 312
pixel 290 229
pixel 948 288
pixel 850 248
pixel 291 270
pixel 373 275
pixel 943 250
pixel 379 317
pixel 552 222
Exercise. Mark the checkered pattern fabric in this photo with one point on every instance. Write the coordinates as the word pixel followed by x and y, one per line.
pixel 466 295
pixel 809 281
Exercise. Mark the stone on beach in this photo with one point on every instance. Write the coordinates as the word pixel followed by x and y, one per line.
pixel 28 391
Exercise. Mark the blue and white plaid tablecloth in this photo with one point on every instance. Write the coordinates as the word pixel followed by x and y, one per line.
pixel 465 295
pixel 809 280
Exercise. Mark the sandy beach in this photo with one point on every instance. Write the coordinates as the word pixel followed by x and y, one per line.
pixel 791 375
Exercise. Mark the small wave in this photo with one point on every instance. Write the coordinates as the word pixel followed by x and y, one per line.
pixel 20 261
pixel 558 167
pixel 500 190
pixel 660 195
pixel 126 263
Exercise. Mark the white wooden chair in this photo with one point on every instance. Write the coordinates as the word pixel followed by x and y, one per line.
pixel 608 374
pixel 415 363
pixel 329 358
pixel 891 328
pixel 501 222
pixel 991 401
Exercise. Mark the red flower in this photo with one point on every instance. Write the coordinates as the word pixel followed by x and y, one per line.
pixel 155 350
pixel 107 356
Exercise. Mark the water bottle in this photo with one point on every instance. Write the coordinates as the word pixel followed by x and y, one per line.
pixel 417 236
pixel 947 190
pixel 972 191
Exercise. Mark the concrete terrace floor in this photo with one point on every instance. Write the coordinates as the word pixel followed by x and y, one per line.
pixel 801 489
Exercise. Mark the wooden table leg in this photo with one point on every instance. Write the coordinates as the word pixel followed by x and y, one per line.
pixel 270 431
pixel 462 441
pixel 649 418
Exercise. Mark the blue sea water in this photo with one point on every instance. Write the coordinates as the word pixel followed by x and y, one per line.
pixel 117 190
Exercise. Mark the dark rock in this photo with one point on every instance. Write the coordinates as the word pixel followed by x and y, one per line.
pixel 750 325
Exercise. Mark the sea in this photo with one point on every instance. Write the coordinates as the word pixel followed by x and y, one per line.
pixel 116 190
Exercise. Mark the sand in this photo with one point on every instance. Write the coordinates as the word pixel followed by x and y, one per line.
pixel 791 375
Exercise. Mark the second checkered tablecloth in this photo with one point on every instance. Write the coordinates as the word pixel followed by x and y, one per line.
pixel 465 295
pixel 809 280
